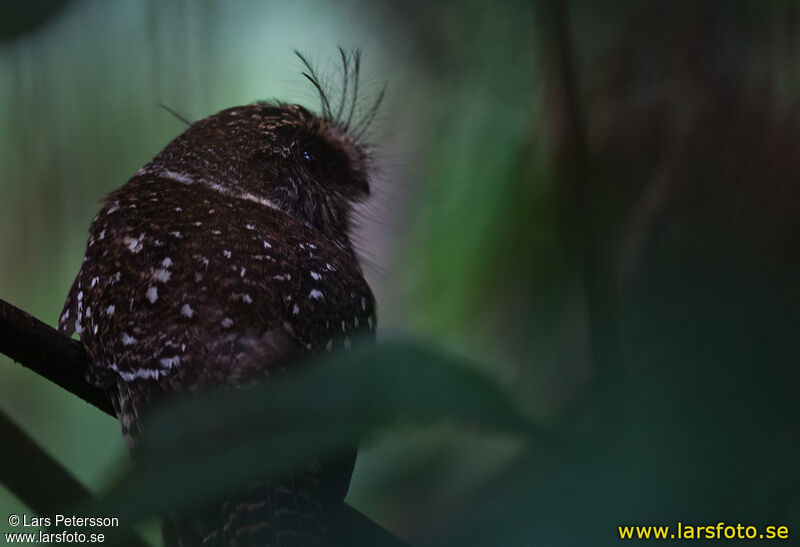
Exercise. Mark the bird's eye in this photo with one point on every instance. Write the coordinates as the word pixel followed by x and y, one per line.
pixel 319 159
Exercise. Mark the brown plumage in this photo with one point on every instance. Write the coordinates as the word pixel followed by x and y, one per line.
pixel 215 265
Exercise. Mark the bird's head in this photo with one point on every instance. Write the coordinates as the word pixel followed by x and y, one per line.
pixel 312 166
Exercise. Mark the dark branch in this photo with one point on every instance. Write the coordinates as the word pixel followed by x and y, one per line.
pixel 48 353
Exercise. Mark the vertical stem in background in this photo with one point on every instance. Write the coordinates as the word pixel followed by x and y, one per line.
pixel 44 485
pixel 33 476
pixel 566 126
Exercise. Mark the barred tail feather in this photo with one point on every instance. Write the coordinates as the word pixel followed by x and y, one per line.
pixel 287 512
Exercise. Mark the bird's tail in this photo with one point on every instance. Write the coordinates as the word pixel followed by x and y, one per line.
pixel 286 512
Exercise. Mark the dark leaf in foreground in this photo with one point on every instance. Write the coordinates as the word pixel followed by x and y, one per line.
pixel 197 449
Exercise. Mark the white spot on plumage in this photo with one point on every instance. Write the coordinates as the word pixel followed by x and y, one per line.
pixel 167 262
pixel 169 362
pixel 241 274
pixel 178 209
pixel 187 310
pixel 364 304
pixel 283 277
pixel 140 374
pixel 216 232
pixel 102 235
pixel 175 234
pixel 329 345
pixel 151 294
pixel 178 177
pixel 112 209
pixel 95 280
pixel 249 226
pixel 110 310
pixel 127 339
pixel 295 309
pixel 330 268
pixel 78 327
pixel 226 253
pixel 162 275
pixel 316 276
pixel 198 277
pixel 227 322
pixel 267 245
pixel 130 377
pixel 134 244
pixel 369 322
pixel 316 294
pixel 355 321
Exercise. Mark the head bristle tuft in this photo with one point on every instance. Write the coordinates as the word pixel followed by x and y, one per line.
pixel 311 75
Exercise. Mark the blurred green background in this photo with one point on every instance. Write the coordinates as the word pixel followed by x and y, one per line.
pixel 595 203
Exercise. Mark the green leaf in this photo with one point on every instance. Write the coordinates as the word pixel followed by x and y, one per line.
pixel 198 449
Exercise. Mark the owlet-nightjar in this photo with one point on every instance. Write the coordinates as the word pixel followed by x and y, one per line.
pixel 216 265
